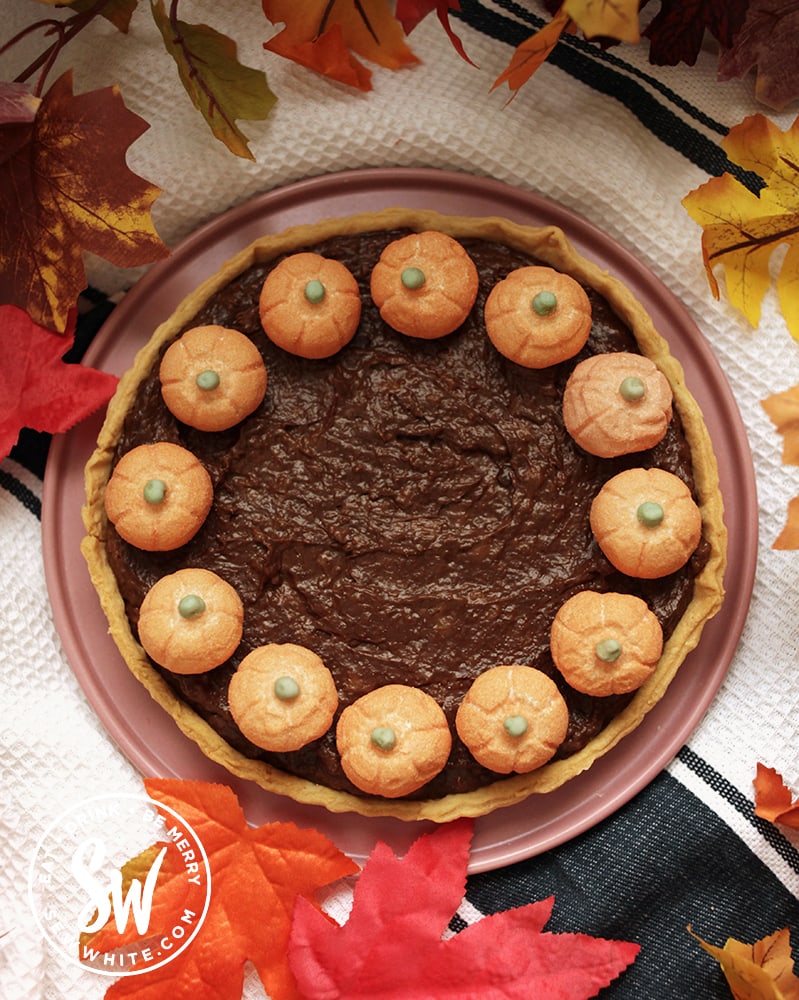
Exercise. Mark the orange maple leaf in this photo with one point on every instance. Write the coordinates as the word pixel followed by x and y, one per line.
pixel 783 409
pixel 773 798
pixel 533 52
pixel 257 874
pixel 759 971
pixel 741 230
pixel 66 188
pixel 323 36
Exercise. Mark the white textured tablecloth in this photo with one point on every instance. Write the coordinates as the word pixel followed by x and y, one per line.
pixel 597 153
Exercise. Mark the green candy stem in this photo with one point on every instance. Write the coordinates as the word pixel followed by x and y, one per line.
pixel 413 277
pixel 154 491
pixel 632 389
pixel 608 650
pixel 515 725
pixel 207 380
pixel 286 688
pixel 545 303
pixel 384 737
pixel 191 606
pixel 650 514
pixel 314 291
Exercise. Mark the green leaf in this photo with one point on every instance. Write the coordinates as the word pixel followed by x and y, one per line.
pixel 220 87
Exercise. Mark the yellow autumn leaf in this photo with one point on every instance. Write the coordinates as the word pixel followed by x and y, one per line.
pixel 783 410
pixel 762 971
pixel 613 18
pixel 741 229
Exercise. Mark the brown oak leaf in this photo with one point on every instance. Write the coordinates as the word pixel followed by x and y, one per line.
pixel 768 40
pixel 66 188
pixel 677 30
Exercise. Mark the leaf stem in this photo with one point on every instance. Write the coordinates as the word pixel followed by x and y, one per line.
pixel 65 32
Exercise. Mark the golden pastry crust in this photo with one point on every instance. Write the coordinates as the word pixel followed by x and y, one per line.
pixel 538 316
pixel 393 740
pixel 310 305
pixel 646 522
pixel 158 496
pixel 212 377
pixel 191 621
pixel 549 245
pixel 605 644
pixel 282 696
pixel 424 285
pixel 512 718
pixel 615 404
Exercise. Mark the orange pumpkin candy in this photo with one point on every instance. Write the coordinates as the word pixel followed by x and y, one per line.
pixel 158 496
pixel 538 316
pixel 190 621
pixel 605 644
pixel 393 740
pixel 646 522
pixel 424 285
pixel 310 305
pixel 512 718
pixel 618 403
pixel 212 377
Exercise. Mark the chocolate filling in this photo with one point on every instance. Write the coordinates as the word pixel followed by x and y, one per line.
pixel 413 511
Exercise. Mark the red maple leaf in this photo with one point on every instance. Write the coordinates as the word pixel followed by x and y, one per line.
pixel 392 946
pixel 38 389
pixel 675 33
pixel 256 875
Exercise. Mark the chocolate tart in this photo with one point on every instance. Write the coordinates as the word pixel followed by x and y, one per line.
pixel 413 511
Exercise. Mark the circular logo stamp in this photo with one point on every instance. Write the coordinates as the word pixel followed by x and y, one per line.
pixel 120 884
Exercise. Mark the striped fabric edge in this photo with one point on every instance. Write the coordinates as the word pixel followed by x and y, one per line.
pixel 22 485
pixel 764 839
pixel 675 121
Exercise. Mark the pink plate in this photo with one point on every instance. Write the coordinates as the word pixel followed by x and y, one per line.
pixel 149 738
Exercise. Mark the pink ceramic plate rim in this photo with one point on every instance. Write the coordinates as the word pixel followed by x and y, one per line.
pixel 149 738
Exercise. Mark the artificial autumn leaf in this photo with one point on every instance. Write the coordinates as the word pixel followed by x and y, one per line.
pixel 762 971
pixel 323 36
pixel 256 876
pixel 605 18
pixel 118 12
pixel 65 189
pixel 175 897
pixel 773 798
pixel 677 30
pixel 391 947
pixel 17 106
pixel 410 12
pixel 741 230
pixel 38 389
pixel 768 40
pixel 783 409
pixel 220 87
pixel 532 53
